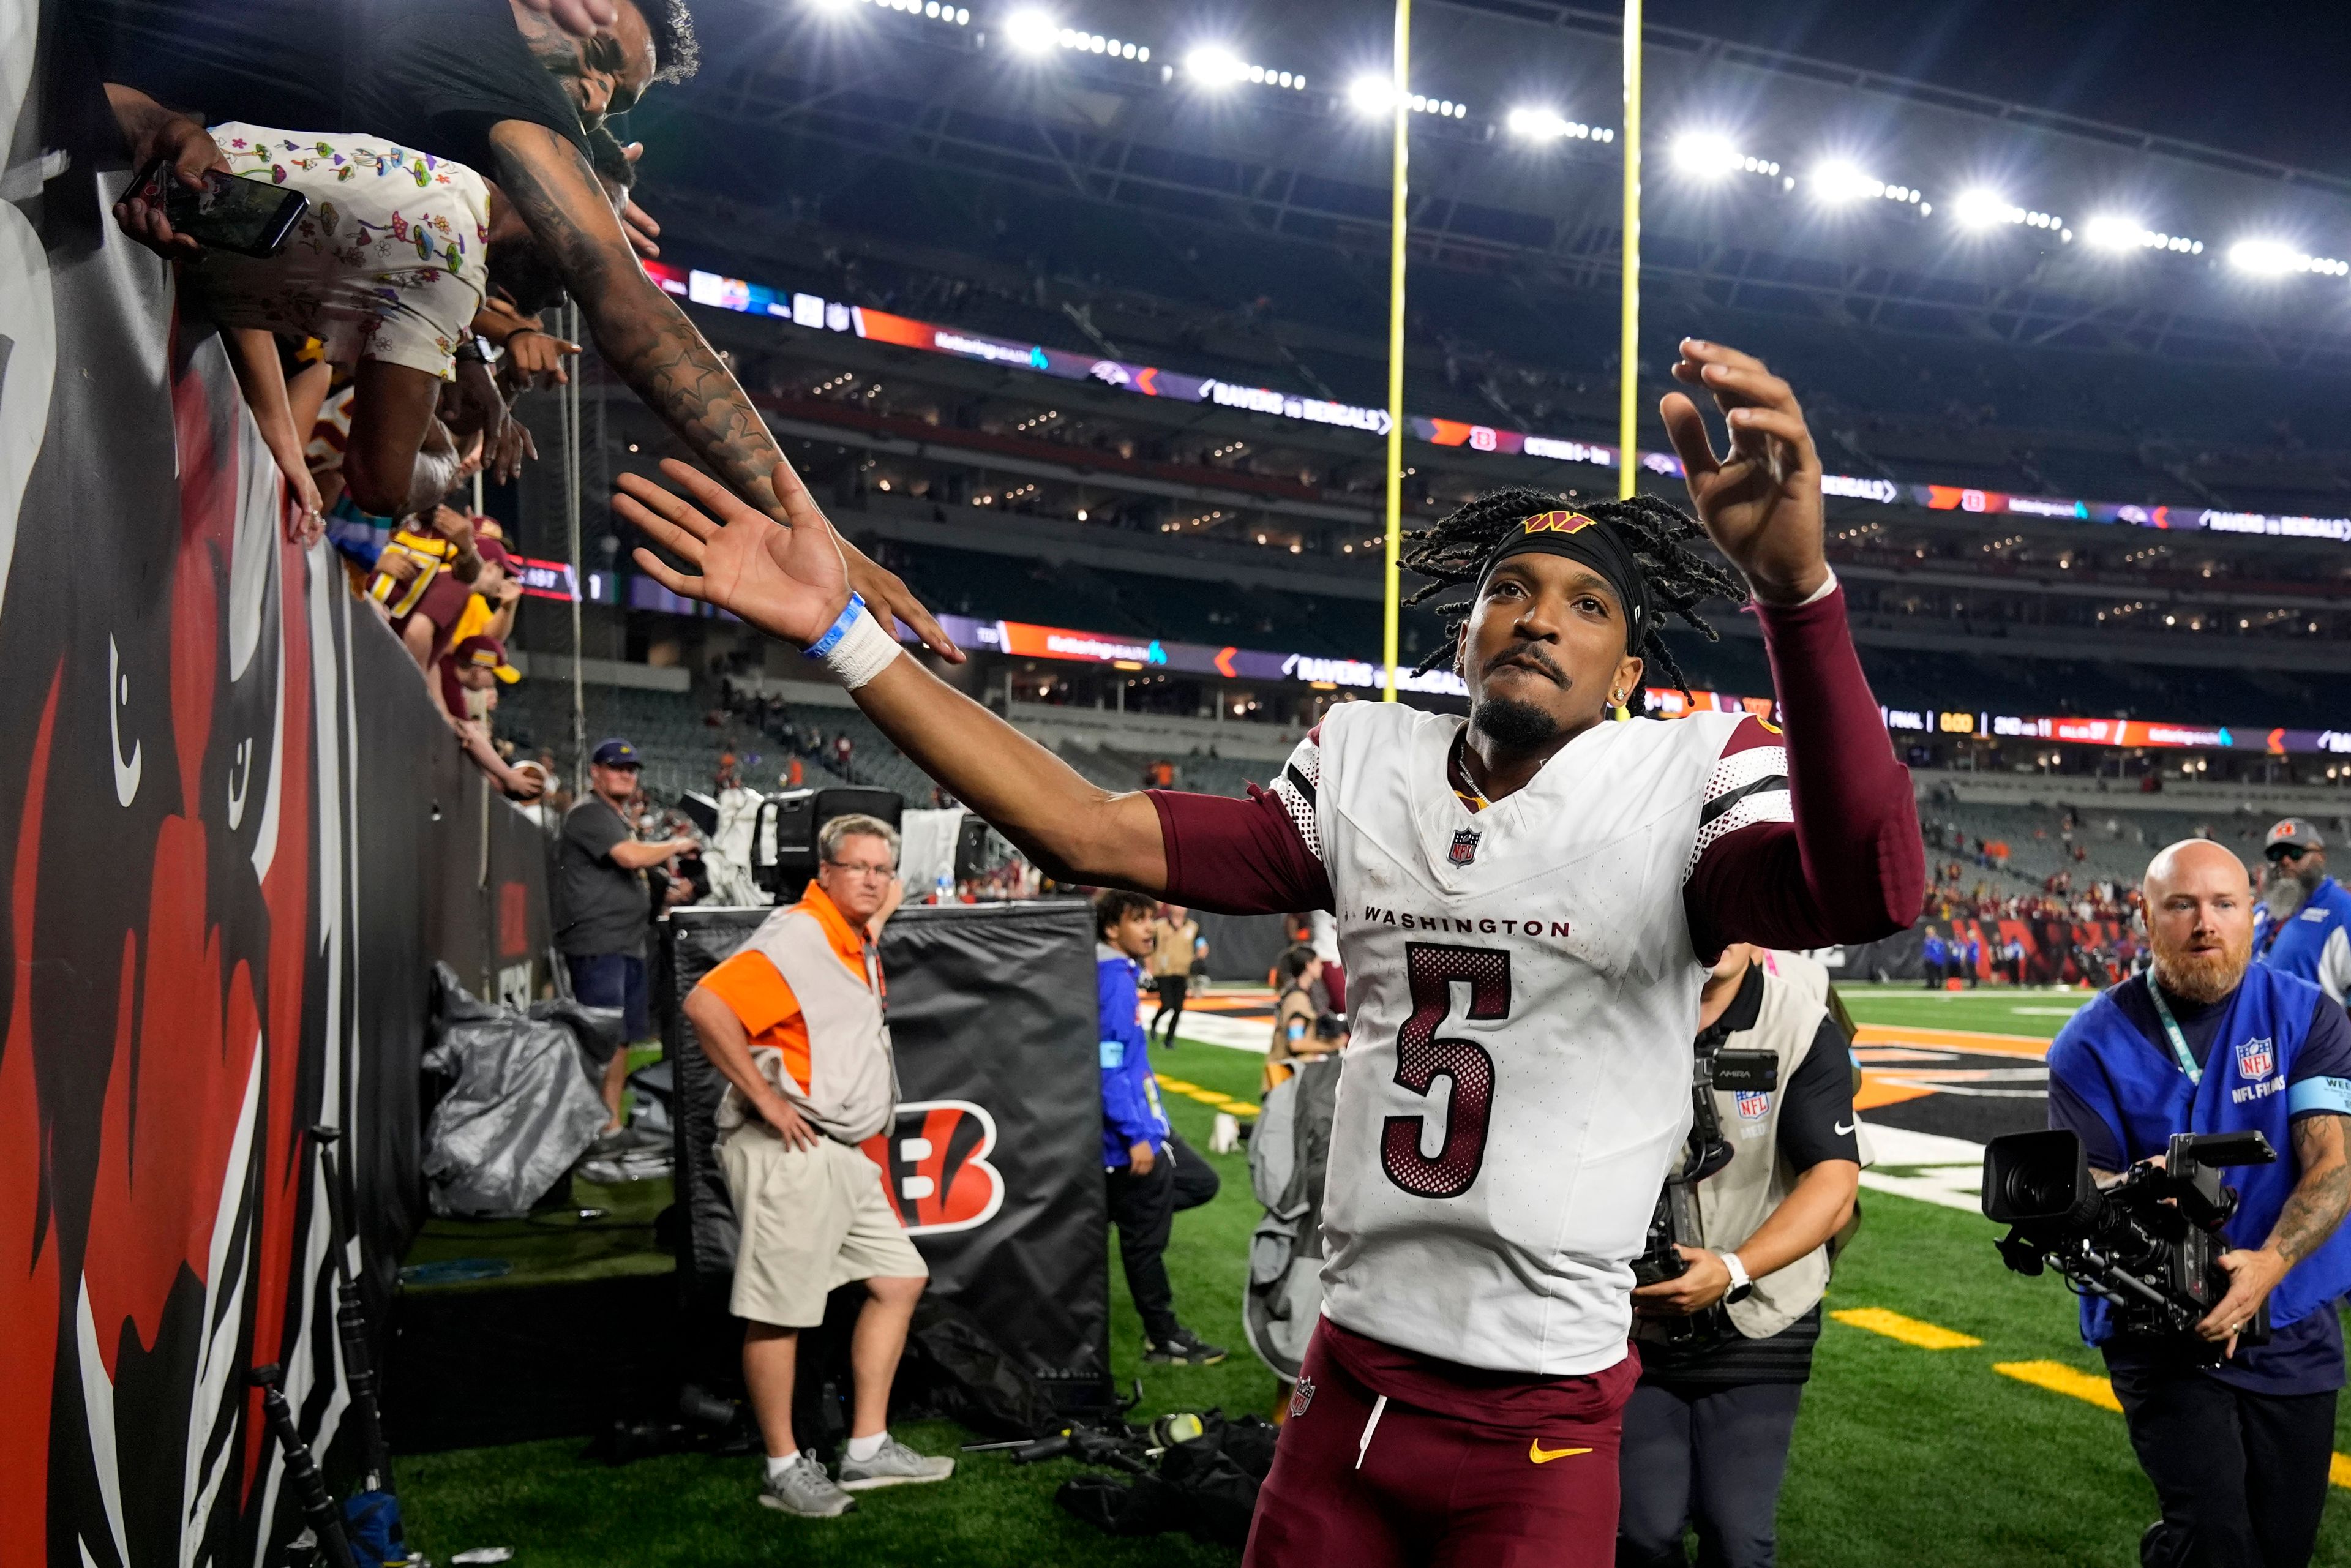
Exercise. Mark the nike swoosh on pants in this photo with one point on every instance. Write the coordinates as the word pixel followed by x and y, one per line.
pixel 1543 1455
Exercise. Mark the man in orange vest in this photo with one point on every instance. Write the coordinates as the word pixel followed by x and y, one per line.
pixel 794 1022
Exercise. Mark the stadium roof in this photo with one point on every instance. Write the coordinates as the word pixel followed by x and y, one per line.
pixel 1915 163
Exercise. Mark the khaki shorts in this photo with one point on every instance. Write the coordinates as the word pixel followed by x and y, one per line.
pixel 812 1220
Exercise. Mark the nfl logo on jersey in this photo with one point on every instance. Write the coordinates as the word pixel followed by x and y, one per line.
pixel 1465 846
pixel 2256 1060
pixel 1754 1105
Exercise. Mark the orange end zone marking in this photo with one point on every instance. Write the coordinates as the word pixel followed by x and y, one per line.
pixel 1876 1092
pixel 1950 1039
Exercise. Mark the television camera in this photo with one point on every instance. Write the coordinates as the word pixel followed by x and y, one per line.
pixel 1675 1223
pixel 2148 1242
pixel 784 832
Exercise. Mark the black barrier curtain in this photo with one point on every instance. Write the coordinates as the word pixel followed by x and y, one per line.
pixel 226 805
pixel 995 1162
pixel 1242 946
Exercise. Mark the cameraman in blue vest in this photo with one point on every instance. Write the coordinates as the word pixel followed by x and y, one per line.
pixel 2305 924
pixel 2207 1041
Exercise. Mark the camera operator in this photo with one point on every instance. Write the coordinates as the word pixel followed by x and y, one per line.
pixel 1726 1348
pixel 2237 1452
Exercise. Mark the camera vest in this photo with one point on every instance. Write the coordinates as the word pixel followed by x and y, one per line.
pixel 1734 1202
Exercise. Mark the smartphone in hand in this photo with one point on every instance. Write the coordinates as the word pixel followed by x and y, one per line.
pixel 226 213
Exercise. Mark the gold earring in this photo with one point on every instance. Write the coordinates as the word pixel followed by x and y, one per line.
pixel 1622 712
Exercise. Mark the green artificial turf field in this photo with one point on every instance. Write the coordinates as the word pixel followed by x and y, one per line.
pixel 2039 1011
pixel 1905 1458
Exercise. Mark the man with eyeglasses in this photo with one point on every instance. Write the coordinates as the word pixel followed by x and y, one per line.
pixel 794 1022
pixel 2303 927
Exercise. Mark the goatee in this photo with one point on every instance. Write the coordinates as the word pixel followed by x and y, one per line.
pixel 1513 726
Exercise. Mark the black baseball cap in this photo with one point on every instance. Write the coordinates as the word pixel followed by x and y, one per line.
pixel 615 753
pixel 2293 833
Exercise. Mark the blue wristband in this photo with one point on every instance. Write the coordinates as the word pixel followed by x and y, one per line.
pixel 837 630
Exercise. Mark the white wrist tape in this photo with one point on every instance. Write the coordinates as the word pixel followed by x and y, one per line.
pixel 864 650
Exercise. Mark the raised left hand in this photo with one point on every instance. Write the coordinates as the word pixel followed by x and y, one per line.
pixel 2253 1273
pixel 1698 1287
pixel 1761 501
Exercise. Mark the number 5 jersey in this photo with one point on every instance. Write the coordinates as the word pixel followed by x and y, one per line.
pixel 1525 989
pixel 1523 979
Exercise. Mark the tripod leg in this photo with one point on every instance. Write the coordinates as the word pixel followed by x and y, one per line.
pixel 309 1488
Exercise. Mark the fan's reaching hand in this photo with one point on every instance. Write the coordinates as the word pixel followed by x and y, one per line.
pixel 789 582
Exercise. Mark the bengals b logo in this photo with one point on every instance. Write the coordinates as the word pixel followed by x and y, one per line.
pixel 935 1166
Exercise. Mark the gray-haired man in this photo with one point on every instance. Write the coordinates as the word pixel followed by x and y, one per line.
pixel 794 1022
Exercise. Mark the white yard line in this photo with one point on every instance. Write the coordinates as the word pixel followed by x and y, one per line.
pixel 1234 1034
pixel 1928 1167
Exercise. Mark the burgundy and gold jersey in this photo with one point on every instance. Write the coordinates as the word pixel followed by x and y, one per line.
pixel 1523 991
pixel 1523 975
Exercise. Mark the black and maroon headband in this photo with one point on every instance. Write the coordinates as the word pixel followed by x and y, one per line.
pixel 1580 536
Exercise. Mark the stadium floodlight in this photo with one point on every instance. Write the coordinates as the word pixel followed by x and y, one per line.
pixel 2107 232
pixel 935 10
pixel 1705 155
pixel 2261 255
pixel 1979 209
pixel 1841 182
pixel 1536 124
pixel 1213 65
pixel 1370 94
pixel 1031 32
pixel 2270 258
pixel 2110 232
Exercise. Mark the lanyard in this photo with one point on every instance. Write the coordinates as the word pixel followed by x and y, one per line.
pixel 2172 1031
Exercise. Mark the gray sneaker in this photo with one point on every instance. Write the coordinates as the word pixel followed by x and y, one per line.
pixel 895 1465
pixel 804 1489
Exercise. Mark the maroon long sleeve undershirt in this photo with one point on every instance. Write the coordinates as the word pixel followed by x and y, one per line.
pixel 1850 868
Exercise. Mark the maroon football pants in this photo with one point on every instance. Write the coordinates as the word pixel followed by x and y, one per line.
pixel 1429 1488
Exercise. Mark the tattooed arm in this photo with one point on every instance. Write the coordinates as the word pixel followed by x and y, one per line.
pixel 644 336
pixel 2321 1195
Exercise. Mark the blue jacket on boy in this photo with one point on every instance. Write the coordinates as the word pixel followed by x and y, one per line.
pixel 1130 1090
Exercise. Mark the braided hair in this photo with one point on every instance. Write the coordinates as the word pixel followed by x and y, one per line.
pixel 1454 551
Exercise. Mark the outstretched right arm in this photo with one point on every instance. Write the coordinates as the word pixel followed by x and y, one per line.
pixel 789 581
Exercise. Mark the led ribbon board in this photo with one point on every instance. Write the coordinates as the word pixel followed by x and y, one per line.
pixel 819 314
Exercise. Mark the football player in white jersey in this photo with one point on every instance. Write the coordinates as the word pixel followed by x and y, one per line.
pixel 1526 901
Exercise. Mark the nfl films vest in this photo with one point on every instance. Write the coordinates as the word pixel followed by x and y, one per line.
pixel 2299 946
pixel 1521 996
pixel 2137 1088
pixel 1736 1200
